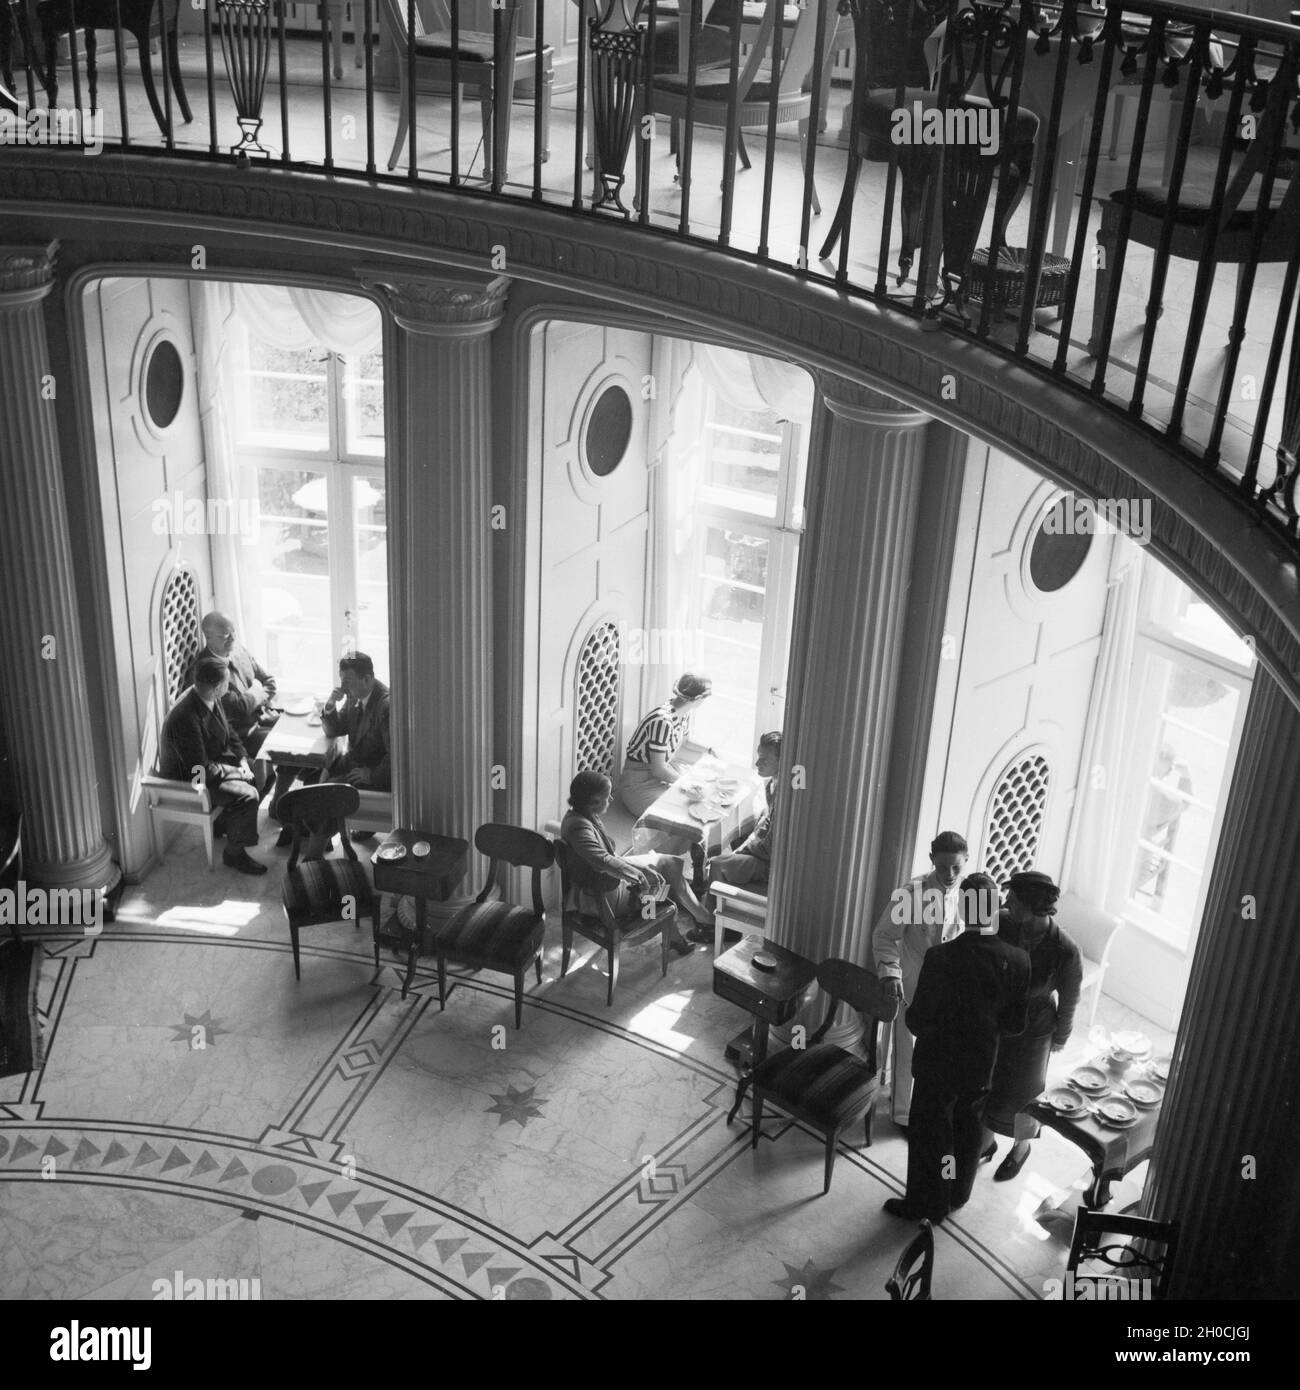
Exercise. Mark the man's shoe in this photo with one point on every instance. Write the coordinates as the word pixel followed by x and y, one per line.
pixel 241 860
pixel 896 1206
pixel 682 947
pixel 219 827
pixel 1011 1165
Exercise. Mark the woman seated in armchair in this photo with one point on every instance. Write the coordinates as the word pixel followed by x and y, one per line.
pixel 658 876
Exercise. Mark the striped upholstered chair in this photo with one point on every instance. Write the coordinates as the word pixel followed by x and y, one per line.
pixel 493 933
pixel 822 1085
pixel 324 890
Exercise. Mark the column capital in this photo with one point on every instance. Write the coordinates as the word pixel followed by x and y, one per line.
pixel 865 406
pixel 444 306
pixel 26 273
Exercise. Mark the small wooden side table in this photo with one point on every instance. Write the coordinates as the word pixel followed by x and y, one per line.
pixel 772 996
pixel 435 876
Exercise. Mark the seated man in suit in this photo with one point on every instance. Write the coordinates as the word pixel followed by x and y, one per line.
pixel 747 864
pixel 358 707
pixel 971 991
pixel 250 689
pixel 197 735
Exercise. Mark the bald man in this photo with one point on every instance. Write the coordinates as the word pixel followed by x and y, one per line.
pixel 251 688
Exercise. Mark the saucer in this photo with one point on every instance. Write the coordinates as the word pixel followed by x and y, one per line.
pixel 704 811
pixel 1066 1101
pixel 1090 1079
pixel 302 704
pixel 1117 1112
pixel 391 852
pixel 1146 1094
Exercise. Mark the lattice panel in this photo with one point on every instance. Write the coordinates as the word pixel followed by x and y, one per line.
pixel 598 676
pixel 180 629
pixel 1016 818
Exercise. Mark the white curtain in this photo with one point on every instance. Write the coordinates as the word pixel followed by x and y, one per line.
pixel 749 382
pixel 212 310
pixel 296 319
pixel 1092 849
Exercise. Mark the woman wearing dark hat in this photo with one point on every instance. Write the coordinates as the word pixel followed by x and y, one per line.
pixel 657 876
pixel 648 767
pixel 1056 975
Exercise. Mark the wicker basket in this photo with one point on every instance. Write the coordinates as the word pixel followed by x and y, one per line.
pixel 1009 275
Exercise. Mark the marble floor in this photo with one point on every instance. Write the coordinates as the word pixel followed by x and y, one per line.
pixel 201 1112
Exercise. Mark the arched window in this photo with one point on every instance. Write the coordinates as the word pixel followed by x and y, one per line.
pixel 1015 824
pixel 179 619
pixel 596 737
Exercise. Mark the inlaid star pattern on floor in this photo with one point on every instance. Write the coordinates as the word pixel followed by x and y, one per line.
pixel 809 1283
pixel 517 1105
pixel 199 1030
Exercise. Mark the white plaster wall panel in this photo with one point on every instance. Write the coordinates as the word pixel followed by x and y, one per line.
pixel 139 465
pixel 1026 664
pixel 592 531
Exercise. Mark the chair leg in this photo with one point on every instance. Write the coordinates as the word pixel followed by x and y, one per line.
pixel 868 1122
pixel 846 202
pixel 209 845
pixel 442 982
pixel 489 133
pixel 1101 290
pixel 537 965
pixel 519 996
pixel 756 1120
pixel 293 936
pixel 741 150
pixel 831 1146
pixel 403 113
pixel 613 973
pixel 803 150
pixel 178 86
pixel 566 935
pixel 375 931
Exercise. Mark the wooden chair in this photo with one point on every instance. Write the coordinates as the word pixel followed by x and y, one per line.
pixel 480 58
pixel 494 934
pixel 605 929
pixel 1093 930
pixel 822 1085
pixel 179 640
pixel 715 98
pixel 142 19
pixel 1147 1254
pixel 1231 229
pixel 891 37
pixel 321 890
pixel 740 909
pixel 911 1277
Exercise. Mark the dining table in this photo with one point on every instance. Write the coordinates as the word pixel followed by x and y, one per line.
pixel 1112 1151
pixel 297 739
pixel 1038 84
pixel 711 819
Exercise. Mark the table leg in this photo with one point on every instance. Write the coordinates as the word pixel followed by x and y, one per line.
pixel 415 945
pixel 1098 1194
pixel 1065 177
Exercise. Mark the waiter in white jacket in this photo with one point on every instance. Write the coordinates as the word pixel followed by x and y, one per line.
pixel 921 914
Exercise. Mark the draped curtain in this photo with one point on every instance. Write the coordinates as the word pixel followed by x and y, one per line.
pixel 1091 853
pixel 293 320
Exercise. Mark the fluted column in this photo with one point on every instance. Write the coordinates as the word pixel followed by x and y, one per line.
pixel 42 672
pixel 836 837
pixel 439 529
pixel 1225 1156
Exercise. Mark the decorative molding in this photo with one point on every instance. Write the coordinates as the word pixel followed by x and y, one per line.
pixel 27 272
pixel 851 400
pixel 297 223
pixel 449 307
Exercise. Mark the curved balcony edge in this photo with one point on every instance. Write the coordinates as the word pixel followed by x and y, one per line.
pixel 1201 526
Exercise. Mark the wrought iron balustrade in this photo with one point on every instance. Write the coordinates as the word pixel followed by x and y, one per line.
pixel 1152 263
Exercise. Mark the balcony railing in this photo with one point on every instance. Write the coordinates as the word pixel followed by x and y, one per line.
pixel 1105 193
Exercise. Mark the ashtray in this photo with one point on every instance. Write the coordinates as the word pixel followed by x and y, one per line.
pixel 421 848
pixel 762 961
pixel 391 852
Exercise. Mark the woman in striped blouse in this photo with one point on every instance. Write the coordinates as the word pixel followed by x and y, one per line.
pixel 648 766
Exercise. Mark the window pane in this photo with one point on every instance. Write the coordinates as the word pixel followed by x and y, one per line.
pixel 363 394
pixel 742 457
pixel 1184 781
pixel 288 398
pixel 370 627
pixel 293 571
pixel 732 596
pixel 1176 607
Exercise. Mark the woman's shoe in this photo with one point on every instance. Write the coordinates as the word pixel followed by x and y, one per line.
pixel 1011 1165
pixel 989 1152
pixel 682 947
